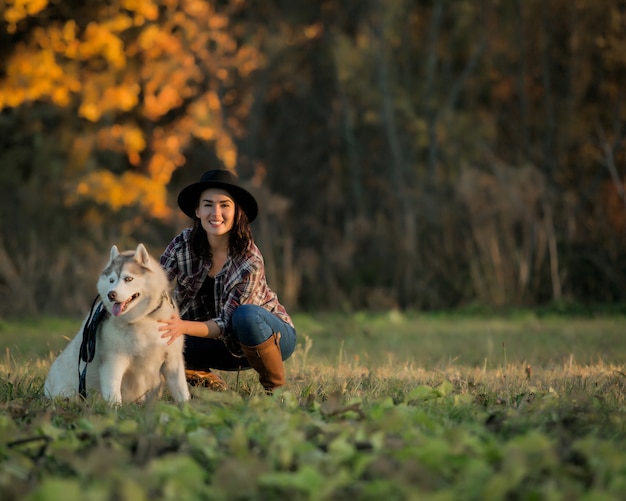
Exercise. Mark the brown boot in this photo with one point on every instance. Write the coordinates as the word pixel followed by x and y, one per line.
pixel 267 360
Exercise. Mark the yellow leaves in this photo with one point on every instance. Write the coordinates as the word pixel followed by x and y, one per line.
pixel 16 10
pixel 168 85
pixel 90 111
pixel 156 42
pixel 101 96
pixel 200 113
pixel 123 138
pixel 138 61
pixel 226 151
pixel 117 24
pixel 60 96
pixel 205 123
pixel 142 9
pixel 35 74
pixel 168 148
pixel 101 41
pixel 149 40
pixel 218 22
pixel 162 166
pixel 213 101
pixel 249 59
pixel 59 39
pixel 157 102
pixel 126 190
pixel 89 107
pixel 199 9
pixel 69 31
pixel 125 96
pixel 134 143
pixel 172 75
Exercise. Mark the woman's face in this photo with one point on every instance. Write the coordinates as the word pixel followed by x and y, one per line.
pixel 216 211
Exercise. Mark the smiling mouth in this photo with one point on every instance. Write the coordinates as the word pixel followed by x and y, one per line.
pixel 120 308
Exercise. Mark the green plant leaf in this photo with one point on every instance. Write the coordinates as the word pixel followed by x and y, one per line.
pixel 53 489
pixel 422 394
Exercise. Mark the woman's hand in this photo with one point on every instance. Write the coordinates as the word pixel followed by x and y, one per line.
pixel 173 328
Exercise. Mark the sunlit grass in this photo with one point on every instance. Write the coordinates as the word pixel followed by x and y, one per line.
pixel 375 406
pixel 367 354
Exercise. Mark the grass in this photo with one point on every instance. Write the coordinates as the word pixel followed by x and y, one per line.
pixel 402 406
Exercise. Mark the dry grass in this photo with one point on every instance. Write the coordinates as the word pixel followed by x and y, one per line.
pixel 356 420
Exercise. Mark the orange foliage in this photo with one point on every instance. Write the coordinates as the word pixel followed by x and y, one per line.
pixel 100 40
pixel 126 138
pixel 143 9
pixel 126 190
pixel 16 10
pixel 132 64
pixel 35 74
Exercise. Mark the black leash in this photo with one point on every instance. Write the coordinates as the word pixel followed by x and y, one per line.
pixel 88 345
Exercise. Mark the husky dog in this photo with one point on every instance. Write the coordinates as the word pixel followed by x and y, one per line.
pixel 130 359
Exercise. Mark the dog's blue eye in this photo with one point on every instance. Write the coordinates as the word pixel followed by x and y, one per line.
pixel 111 280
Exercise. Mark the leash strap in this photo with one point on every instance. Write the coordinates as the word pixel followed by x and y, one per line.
pixel 88 344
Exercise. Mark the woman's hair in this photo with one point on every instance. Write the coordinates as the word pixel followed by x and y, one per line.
pixel 240 236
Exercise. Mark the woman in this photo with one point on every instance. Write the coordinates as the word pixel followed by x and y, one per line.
pixel 230 317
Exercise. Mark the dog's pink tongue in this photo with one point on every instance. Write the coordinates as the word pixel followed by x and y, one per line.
pixel 117 309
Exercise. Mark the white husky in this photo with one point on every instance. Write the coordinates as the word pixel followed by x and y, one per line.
pixel 131 359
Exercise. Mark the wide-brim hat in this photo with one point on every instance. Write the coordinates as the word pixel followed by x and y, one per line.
pixel 218 178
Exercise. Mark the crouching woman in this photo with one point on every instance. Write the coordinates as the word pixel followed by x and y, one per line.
pixel 230 317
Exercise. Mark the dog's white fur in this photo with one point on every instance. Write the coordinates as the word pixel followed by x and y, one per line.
pixel 131 360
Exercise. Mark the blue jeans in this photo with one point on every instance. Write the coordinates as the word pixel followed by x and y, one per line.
pixel 252 325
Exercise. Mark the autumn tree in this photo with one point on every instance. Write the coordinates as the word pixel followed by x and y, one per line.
pixel 101 102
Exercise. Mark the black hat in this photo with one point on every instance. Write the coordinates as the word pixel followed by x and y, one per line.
pixel 219 178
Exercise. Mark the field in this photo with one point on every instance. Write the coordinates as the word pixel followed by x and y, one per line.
pixel 377 406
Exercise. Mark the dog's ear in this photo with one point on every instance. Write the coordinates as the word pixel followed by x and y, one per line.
pixel 142 256
pixel 114 253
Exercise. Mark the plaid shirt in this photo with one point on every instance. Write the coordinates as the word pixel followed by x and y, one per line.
pixel 240 281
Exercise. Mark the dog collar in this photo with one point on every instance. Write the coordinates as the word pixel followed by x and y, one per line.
pixel 164 296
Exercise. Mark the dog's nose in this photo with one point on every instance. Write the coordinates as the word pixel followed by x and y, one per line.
pixel 112 295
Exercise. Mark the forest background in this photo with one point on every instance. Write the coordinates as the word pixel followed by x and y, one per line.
pixel 426 154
